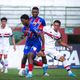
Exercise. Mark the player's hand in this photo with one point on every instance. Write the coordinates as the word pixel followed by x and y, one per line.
pixel 26 32
pixel 14 48
pixel 70 48
pixel 41 53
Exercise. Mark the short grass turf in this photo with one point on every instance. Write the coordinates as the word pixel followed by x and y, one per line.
pixel 55 74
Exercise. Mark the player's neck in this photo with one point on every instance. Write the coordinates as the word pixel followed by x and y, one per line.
pixel 55 30
pixel 35 17
pixel 27 25
pixel 3 26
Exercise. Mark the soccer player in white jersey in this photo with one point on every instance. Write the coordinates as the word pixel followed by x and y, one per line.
pixel 5 33
pixel 52 35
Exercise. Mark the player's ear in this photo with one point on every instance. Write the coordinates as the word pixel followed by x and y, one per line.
pixel 38 12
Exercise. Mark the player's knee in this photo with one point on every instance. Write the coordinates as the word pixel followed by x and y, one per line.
pixel 62 58
pixel 30 54
pixel 40 54
pixel 24 59
pixel 44 60
pixel 5 56
pixel 0 56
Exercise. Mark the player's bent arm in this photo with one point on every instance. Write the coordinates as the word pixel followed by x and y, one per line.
pixel 13 41
pixel 63 43
pixel 43 41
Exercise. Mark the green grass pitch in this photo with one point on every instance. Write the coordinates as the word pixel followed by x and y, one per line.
pixel 55 74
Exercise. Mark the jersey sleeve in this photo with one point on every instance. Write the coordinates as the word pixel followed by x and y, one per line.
pixel 43 22
pixel 35 29
pixel 23 29
pixel 10 32
pixel 57 37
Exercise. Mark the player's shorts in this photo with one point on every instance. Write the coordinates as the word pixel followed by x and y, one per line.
pixel 53 53
pixel 33 47
pixel 4 49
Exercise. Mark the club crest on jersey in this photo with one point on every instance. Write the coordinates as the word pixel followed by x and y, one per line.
pixel 34 23
pixel 39 22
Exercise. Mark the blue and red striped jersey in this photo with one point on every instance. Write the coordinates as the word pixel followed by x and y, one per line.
pixel 39 22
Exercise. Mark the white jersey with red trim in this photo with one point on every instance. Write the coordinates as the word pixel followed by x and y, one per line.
pixel 4 37
pixel 51 37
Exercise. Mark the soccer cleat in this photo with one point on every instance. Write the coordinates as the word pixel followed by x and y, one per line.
pixel 2 70
pixel 29 75
pixel 6 71
pixel 20 73
pixel 46 74
pixel 71 74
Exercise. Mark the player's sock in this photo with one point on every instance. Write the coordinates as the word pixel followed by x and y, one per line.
pixel 30 68
pixel 67 66
pixel 6 65
pixel 21 70
pixel 22 66
pixel 2 62
pixel 38 63
pixel 45 68
pixel 26 69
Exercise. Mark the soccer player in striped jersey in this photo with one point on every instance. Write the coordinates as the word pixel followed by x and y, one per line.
pixel 40 23
pixel 33 45
pixel 52 35
pixel 5 33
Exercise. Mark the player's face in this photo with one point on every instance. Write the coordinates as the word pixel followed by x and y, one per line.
pixel 25 22
pixel 56 26
pixel 35 13
pixel 3 23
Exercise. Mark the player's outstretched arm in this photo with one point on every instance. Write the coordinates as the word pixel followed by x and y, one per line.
pixel 64 44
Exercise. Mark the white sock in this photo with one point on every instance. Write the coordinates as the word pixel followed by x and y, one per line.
pixel 67 66
pixel 2 62
pixel 22 69
pixel 30 72
pixel 45 65
pixel 6 63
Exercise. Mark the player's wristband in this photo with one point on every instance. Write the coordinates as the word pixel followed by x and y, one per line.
pixel 42 50
pixel 43 46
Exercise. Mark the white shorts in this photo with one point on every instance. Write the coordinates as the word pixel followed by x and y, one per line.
pixel 4 49
pixel 52 53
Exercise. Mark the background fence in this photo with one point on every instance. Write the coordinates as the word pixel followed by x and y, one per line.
pixel 69 16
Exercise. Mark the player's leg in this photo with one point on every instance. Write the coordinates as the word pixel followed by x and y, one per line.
pixel 5 63
pixel 5 52
pixel 65 63
pixel 23 63
pixel 37 63
pixel 30 64
pixel 32 53
pixel 44 62
pixel 2 62
pixel 45 65
pixel 24 59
